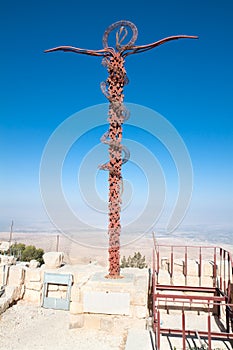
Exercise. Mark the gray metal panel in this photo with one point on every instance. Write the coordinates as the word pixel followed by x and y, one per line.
pixel 56 303
pixel 58 279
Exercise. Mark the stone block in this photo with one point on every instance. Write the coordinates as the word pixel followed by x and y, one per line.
pixel 13 293
pixel 7 260
pixel 32 296
pixel 139 297
pixel 33 264
pixel 34 285
pixel 53 260
pixel 75 293
pixel 141 282
pixel 76 307
pixel 76 321
pixel 4 246
pixel 106 303
pixel 16 275
pixel 141 311
pixel 32 275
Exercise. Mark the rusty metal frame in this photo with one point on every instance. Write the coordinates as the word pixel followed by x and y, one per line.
pixel 219 294
pixel 112 88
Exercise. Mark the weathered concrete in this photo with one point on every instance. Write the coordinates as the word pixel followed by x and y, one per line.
pixel 110 303
pixel 138 340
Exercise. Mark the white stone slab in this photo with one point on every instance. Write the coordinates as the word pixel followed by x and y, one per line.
pixel 111 303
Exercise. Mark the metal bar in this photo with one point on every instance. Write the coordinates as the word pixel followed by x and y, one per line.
pixel 186 264
pixel 57 243
pixel 220 277
pixel 227 318
pixel 200 266
pixel 171 267
pixel 190 246
pixel 229 269
pixel 202 345
pixel 209 330
pixel 224 271
pixel 215 269
pixel 214 335
pixel 153 290
pixel 10 238
pixel 218 304
pixel 153 262
pixel 183 329
pixel 157 265
pixel 158 331
pixel 186 288
pixel 188 297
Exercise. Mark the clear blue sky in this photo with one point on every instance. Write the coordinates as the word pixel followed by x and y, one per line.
pixel 189 82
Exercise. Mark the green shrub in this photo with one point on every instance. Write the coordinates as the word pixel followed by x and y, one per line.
pixel 27 253
pixel 17 249
pixel 31 252
pixel 137 260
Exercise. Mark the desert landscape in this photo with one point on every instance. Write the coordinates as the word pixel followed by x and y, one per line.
pixel 26 326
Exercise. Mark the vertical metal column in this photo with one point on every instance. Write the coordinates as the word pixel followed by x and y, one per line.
pixel 116 81
pixel 209 329
pixel 158 333
pixel 200 266
pixel 183 331
pixel 215 269
pixel 171 266
pixel 186 264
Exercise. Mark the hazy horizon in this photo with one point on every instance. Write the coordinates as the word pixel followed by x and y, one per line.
pixel 181 146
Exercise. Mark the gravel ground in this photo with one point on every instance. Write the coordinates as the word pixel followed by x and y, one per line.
pixel 27 327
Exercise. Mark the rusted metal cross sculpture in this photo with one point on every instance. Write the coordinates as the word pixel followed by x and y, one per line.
pixel 113 59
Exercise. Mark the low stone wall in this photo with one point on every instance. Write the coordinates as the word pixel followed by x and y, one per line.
pixel 119 301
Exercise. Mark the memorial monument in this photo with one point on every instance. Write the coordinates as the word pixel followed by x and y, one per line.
pixel 112 88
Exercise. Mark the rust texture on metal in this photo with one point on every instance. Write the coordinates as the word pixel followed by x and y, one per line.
pixel 112 88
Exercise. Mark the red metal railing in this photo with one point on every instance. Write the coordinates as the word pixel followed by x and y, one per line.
pixel 215 255
pixel 210 298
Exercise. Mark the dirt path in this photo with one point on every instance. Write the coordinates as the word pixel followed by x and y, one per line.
pixel 27 327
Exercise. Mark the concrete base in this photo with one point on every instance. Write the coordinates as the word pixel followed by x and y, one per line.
pixel 105 302
pixel 108 296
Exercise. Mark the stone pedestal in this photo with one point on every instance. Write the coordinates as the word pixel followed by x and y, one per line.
pixel 104 302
